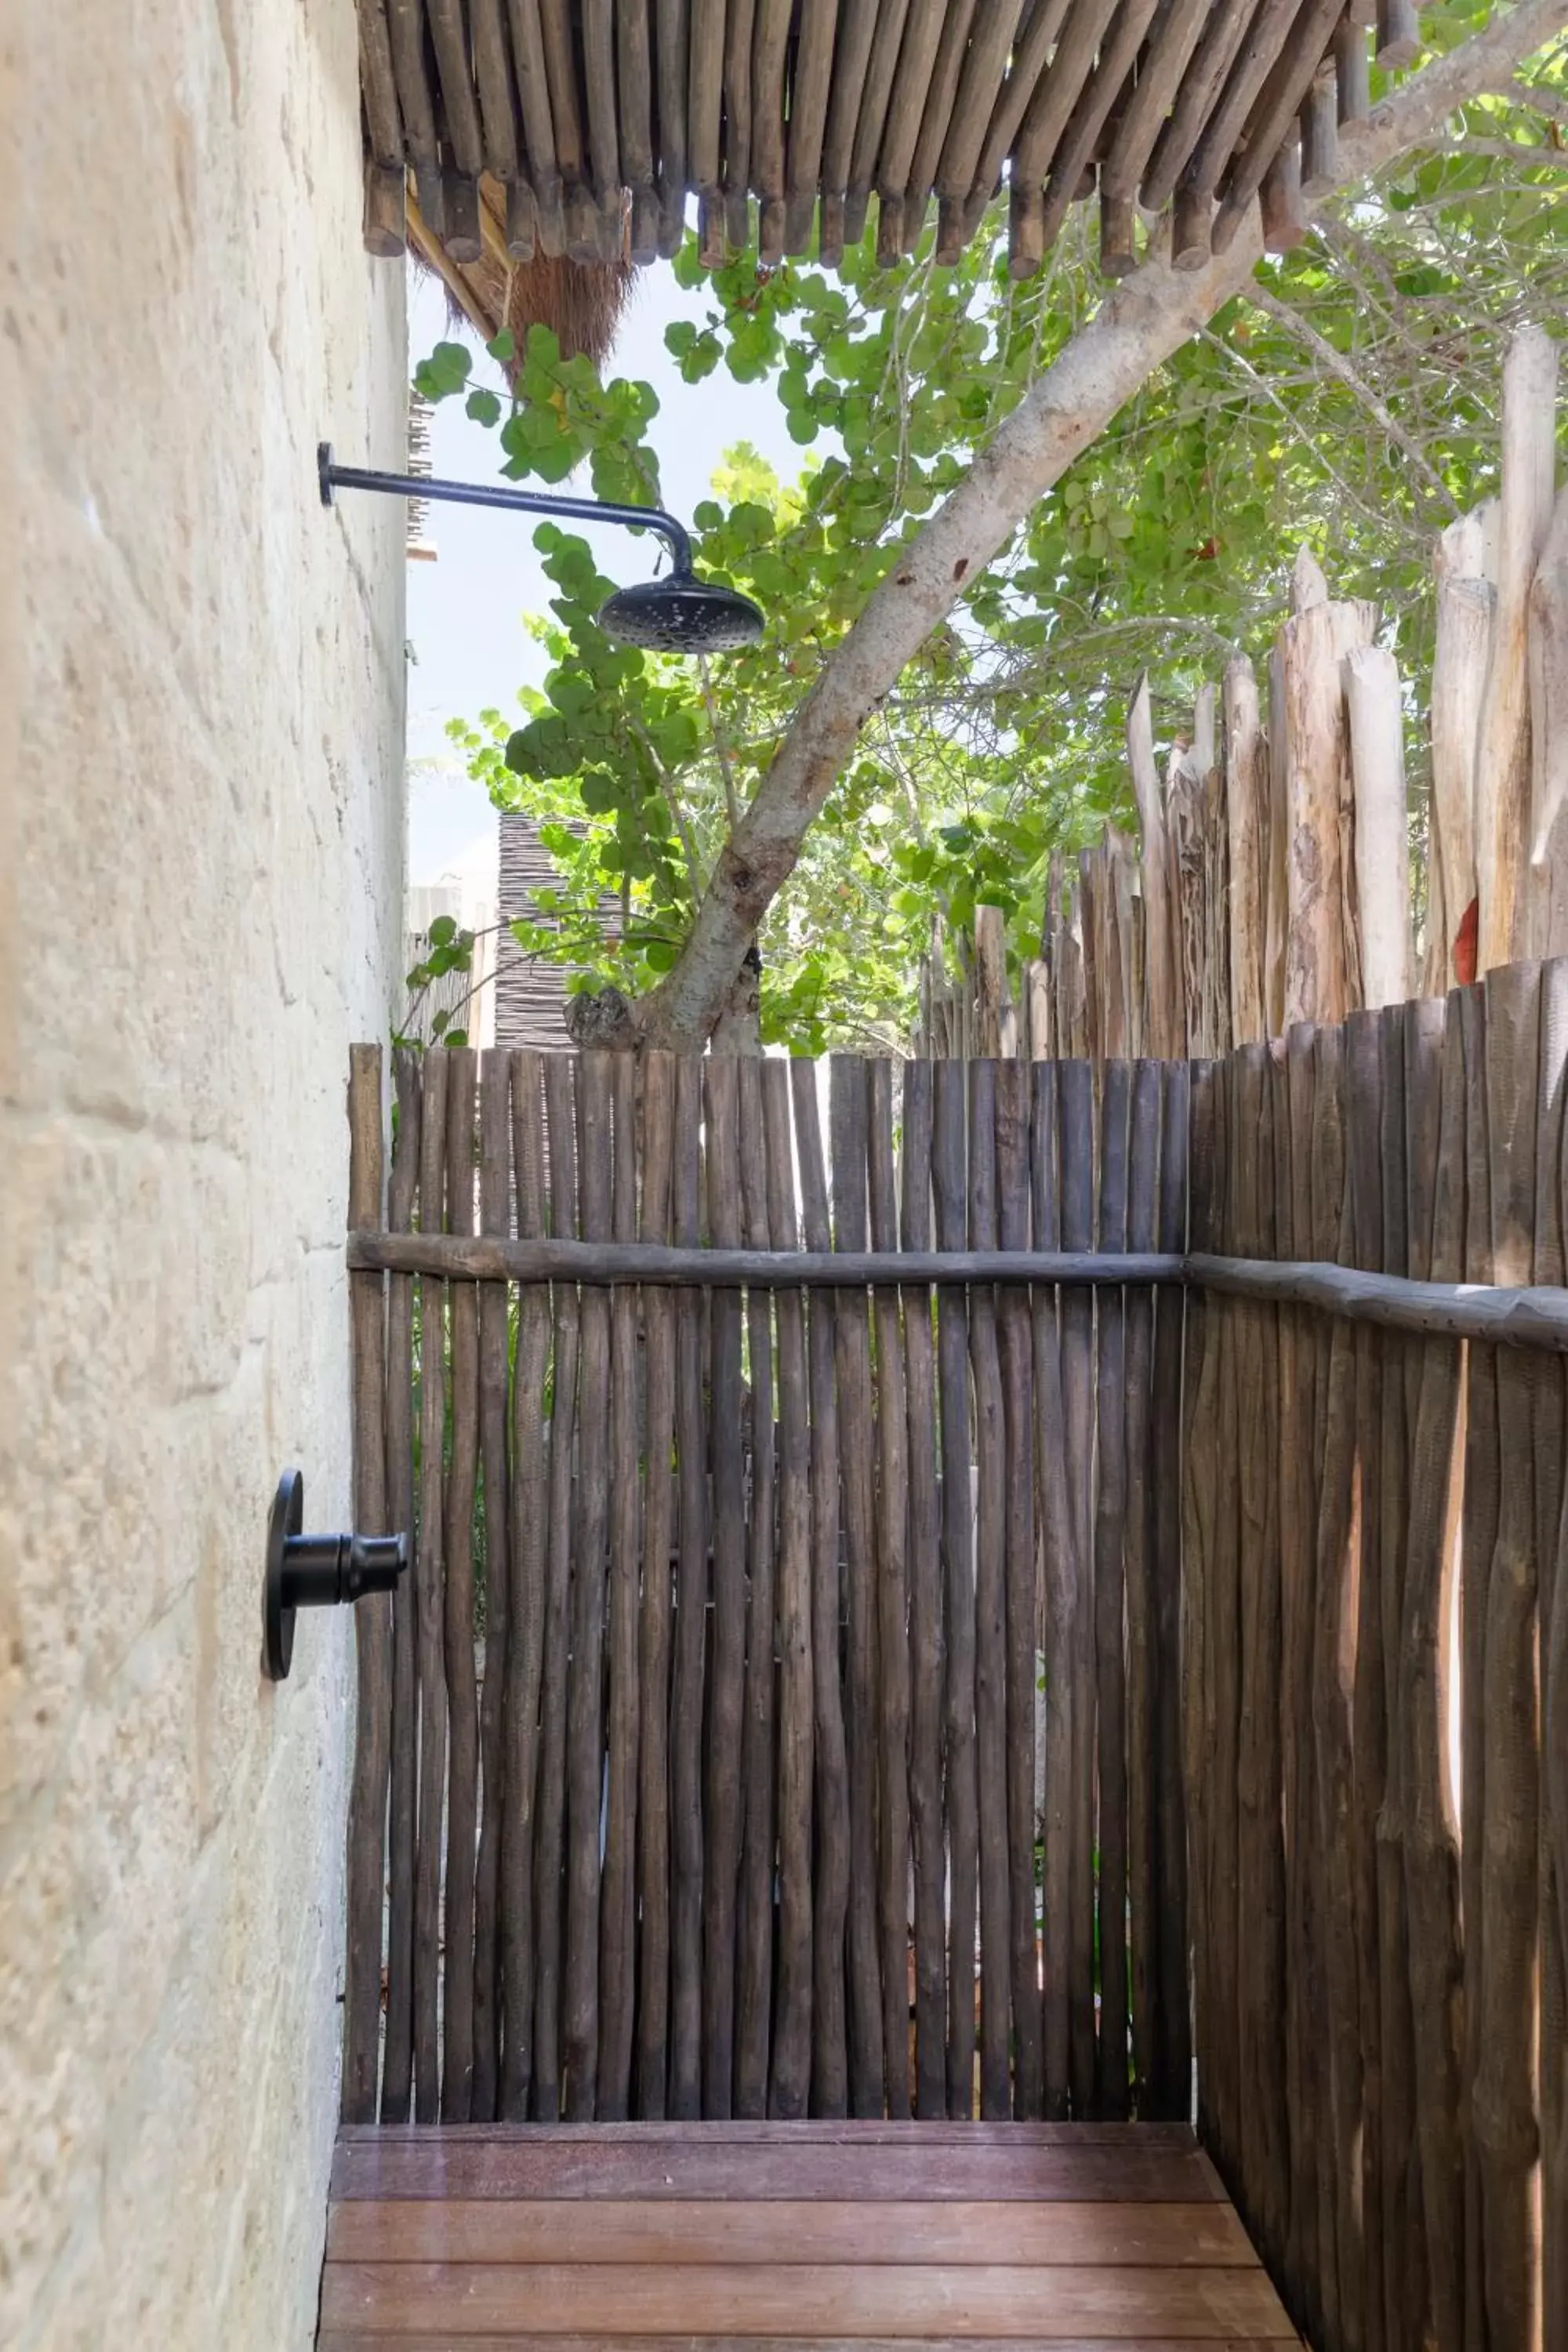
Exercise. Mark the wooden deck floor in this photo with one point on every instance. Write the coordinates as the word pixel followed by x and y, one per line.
pixel 698 2235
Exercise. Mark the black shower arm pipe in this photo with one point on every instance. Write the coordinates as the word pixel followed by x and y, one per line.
pixel 334 477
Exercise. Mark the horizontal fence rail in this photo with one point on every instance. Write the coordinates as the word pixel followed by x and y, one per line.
pixel 774 1721
pixel 1535 1316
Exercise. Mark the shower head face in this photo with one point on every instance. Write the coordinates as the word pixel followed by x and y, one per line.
pixel 682 615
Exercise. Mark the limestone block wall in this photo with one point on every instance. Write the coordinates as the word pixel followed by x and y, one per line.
pixel 201 828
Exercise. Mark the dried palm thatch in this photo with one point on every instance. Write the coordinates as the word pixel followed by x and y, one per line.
pixel 582 303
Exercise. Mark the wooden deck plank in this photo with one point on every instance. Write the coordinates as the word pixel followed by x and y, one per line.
pixel 607 2230
pixel 357 2340
pixel 810 2131
pixel 921 2303
pixel 550 2166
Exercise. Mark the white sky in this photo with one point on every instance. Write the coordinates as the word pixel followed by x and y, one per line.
pixel 464 610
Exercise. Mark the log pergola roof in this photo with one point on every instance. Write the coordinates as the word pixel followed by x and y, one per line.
pixel 591 122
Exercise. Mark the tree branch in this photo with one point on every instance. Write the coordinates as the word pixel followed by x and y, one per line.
pixel 1138 326
pixel 1340 368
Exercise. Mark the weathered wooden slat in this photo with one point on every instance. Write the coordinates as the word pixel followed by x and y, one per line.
pixel 830 1886
pixel 852 1364
pixel 1363 1120
pixel 1269 120
pixel 851 59
pixel 936 115
pixel 1143 1211
pixel 755 1931
pixel 601 1262
pixel 397 2061
pixel 1059 1538
pixel 378 82
pixel 1259 2120
pixel 906 109
pixel 414 98
pixel 1074 1106
pixel 990 1612
pixel 1431 1858
pixel 892 1510
pixel 705 94
pixel 722 1736
pixel 948 1163
pixel 560 1103
pixel 560 72
pixel 926 1645
pixel 738 30
pixel 1504 2116
pixel 1039 26
pixel 1331 1703
pixel 634 90
pixel 792 2041
pixel 1109 1604
pixel 658 1158
pixel 585 1697
pixel 1483 1474
pixel 492 73
pixel 984 67
pixel 371 1774
pixel 670 27
pixel 1056 95
pixel 1013 1135
pixel 1403 2223
pixel 532 71
pixel 448 37
pixel 679 2232
pixel 810 82
pixel 1201 1405
pixel 529 1550
pixel 1198 86
pixel 429 1570
pixel 770 40
pixel 462 1691
pixel 1118 54
pixel 691 1625
pixel 617 1908
pixel 1173 39
pixel 875 99
pixel 495 1216
pixel 1219 2089
pixel 1170 2085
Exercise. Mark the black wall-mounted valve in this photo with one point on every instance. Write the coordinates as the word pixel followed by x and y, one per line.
pixel 315 1571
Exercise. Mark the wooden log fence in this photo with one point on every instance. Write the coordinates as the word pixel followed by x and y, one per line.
pixel 884 1654
pixel 714 1712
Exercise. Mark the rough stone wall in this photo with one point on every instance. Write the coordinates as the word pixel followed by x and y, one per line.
pixel 201 826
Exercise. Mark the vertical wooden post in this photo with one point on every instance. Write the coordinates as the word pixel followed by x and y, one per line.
pixel 618 1914
pixel 754 1934
pixel 462 1693
pixel 948 1161
pixel 495 1217
pixel 852 1362
pixel 926 1645
pixel 373 1616
pixel 793 2031
pixel 429 1570
pixel 892 1604
pixel 529 1516
pixel 397 2065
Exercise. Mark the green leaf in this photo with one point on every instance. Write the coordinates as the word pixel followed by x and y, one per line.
pixel 484 406
pixel 442 931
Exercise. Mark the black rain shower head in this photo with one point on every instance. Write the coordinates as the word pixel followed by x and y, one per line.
pixel 679 614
